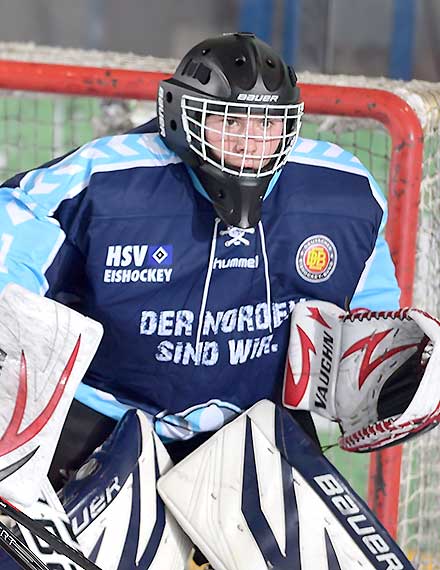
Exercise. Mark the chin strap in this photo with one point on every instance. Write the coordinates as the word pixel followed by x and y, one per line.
pixel 236 199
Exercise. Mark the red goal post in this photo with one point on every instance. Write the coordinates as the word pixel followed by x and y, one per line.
pixel 406 502
pixel 361 102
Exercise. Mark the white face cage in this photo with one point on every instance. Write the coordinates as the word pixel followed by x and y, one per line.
pixel 242 139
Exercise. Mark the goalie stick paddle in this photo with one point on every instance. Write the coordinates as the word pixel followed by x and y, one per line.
pixel 19 551
pixel 39 530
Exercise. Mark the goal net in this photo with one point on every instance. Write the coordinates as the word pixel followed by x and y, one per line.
pixel 52 100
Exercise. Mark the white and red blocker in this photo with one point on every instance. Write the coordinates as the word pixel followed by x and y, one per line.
pixel 313 357
pixel 45 349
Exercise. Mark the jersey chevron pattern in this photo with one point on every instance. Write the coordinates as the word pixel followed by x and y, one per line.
pixel 195 314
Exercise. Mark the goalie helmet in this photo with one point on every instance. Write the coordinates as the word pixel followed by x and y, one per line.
pixel 232 113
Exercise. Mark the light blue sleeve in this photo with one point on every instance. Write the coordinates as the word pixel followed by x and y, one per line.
pixel 377 289
pixel 30 236
pixel 28 244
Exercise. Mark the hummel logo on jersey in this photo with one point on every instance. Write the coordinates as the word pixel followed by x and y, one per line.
pixel 240 262
pixel 141 262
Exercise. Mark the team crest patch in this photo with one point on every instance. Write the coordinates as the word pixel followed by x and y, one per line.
pixel 316 258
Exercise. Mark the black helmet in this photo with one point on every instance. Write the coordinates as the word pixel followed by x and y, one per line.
pixel 232 112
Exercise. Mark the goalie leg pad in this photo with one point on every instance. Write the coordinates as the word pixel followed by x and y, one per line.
pixel 116 514
pixel 258 494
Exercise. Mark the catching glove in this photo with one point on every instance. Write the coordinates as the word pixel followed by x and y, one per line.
pixel 375 373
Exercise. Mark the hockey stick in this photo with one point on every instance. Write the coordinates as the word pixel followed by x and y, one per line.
pixel 19 551
pixel 39 530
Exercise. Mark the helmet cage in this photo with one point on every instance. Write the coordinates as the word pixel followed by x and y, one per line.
pixel 270 151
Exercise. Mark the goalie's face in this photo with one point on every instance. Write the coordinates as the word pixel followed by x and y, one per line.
pixel 244 140
pixel 241 142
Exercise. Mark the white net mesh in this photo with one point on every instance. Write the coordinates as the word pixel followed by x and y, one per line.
pixel 92 58
pixel 35 127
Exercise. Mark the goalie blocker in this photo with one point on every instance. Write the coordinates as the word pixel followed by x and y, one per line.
pixel 375 373
pixel 45 349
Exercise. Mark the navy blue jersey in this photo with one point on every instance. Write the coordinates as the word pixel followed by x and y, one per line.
pixel 196 315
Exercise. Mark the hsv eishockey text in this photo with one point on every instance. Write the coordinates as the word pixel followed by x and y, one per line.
pixel 136 255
